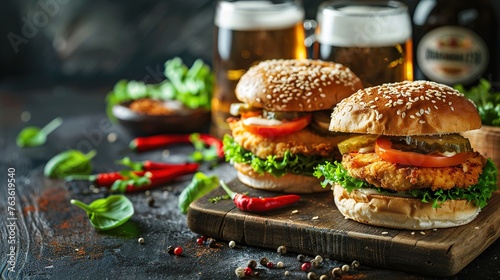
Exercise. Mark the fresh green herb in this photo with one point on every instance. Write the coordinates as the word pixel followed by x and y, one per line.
pixel 70 162
pixel 297 164
pixel 479 193
pixel 486 100
pixel 199 186
pixel 192 87
pixel 202 152
pixel 107 213
pixel 218 198
pixel 33 136
pixel 130 179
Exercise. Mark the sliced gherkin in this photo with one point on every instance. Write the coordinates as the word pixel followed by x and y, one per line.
pixel 355 143
pixel 453 143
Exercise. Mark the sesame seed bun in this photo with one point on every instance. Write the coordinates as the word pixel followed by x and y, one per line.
pixel 402 212
pixel 406 108
pixel 296 85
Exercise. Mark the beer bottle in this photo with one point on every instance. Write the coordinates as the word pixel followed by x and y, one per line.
pixel 455 41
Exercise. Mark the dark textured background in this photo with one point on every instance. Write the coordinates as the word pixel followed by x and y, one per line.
pixel 63 41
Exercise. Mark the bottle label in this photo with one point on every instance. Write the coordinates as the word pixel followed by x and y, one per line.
pixel 452 55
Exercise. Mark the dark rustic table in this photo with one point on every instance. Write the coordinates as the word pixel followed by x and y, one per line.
pixel 45 237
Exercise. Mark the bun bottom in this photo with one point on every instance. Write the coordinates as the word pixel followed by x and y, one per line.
pixel 402 212
pixel 288 183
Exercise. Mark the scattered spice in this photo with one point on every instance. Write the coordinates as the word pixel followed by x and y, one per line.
pixel 311 275
pixel 306 266
pixel 281 250
pixel 232 244
pixel 140 240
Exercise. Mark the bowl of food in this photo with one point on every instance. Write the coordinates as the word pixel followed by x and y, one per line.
pixel 148 116
pixel 178 104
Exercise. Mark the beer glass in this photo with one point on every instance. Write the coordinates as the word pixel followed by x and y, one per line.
pixel 247 32
pixel 372 38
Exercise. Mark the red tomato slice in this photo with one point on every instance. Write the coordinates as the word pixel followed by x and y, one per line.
pixel 383 148
pixel 284 128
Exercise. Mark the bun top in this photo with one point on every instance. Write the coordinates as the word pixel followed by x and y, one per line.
pixel 296 85
pixel 406 108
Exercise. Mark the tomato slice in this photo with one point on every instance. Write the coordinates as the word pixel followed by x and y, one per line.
pixel 383 148
pixel 278 128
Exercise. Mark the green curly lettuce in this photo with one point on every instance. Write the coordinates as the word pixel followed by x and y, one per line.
pixel 289 163
pixel 479 193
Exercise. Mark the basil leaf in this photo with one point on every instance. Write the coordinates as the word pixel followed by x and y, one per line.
pixel 107 213
pixel 33 136
pixel 70 162
pixel 199 186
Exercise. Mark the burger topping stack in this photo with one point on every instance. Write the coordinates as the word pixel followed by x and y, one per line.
pixel 280 130
pixel 408 167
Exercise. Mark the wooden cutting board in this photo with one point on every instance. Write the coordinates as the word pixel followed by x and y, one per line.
pixel 317 227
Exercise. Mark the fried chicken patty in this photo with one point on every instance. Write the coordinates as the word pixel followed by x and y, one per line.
pixel 376 171
pixel 304 142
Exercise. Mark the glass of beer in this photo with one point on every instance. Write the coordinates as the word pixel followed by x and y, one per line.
pixel 372 38
pixel 247 32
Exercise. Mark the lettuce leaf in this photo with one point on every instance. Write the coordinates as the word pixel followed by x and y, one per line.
pixel 290 163
pixel 479 193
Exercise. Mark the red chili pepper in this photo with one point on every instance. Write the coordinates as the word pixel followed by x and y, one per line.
pixel 157 175
pixel 102 179
pixel 147 143
pixel 259 204
pixel 213 141
pixel 162 176
pixel 148 164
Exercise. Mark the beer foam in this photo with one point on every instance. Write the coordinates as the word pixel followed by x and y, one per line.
pixel 362 26
pixel 253 15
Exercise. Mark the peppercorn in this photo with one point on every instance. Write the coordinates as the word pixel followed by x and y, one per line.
pixel 311 275
pixel 282 250
pixel 200 241
pixel 323 277
pixel 280 265
pixel 232 244
pixel 337 272
pixel 319 258
pixel 270 264
pixel 140 240
pixel 248 271
pixel 170 249
pixel 252 264
pixel 178 251
pixel 345 268
pixel 306 266
pixel 301 257
pixel 314 263
pixel 212 243
pixel 287 273
pixel 355 264
pixel 151 201
pixel 263 261
pixel 240 272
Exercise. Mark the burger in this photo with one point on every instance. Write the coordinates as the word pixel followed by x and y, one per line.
pixel 279 130
pixel 407 166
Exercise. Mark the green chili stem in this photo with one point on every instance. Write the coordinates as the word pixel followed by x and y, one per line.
pixel 228 191
pixel 51 126
pixel 81 205
pixel 91 154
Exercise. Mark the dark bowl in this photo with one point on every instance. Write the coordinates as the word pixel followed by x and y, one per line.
pixel 182 121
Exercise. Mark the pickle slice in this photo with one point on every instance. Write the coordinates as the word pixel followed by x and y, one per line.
pixel 454 143
pixel 356 143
